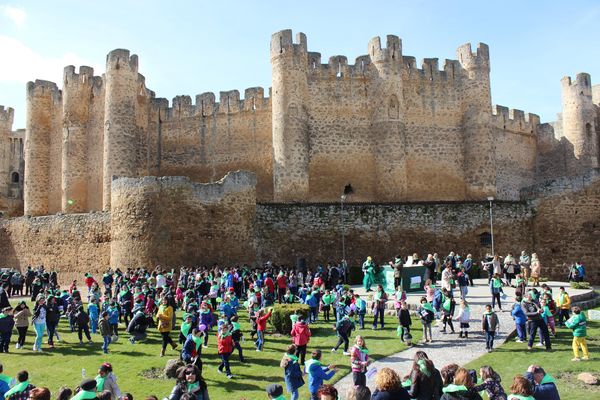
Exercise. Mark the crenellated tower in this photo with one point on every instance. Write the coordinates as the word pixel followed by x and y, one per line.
pixel 77 95
pixel 120 134
pixel 579 121
pixel 479 160
pixel 388 119
pixel 44 107
pixel 291 150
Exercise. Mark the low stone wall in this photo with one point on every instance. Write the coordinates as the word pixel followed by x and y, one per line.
pixel 70 243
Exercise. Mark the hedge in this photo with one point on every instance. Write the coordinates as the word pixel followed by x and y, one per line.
pixel 280 318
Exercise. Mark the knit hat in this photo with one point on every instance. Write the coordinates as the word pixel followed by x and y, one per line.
pixel 274 390
pixel 88 385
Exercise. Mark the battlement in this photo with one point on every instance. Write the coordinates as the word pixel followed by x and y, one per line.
pixel 282 43
pixel 392 52
pixel 7 116
pixel 338 66
pixel 85 75
pixel 206 104
pixel 478 60
pixel 41 88
pixel 582 85
pixel 514 120
pixel 121 58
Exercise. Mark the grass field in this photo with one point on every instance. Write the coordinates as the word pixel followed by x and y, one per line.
pixel 138 367
pixel 513 358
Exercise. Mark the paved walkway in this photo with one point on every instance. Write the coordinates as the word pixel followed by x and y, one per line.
pixel 448 348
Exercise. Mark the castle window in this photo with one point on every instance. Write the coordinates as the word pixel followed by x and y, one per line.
pixel 588 129
pixel 394 108
pixel 485 239
pixel 14 177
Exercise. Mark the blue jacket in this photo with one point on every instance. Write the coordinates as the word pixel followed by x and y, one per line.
pixel 316 375
pixel 113 316
pixel 546 390
pixel 293 375
pixel 189 348
pixel 518 314
pixel 227 310
pixel 93 311
pixel 313 301
pixel 3 388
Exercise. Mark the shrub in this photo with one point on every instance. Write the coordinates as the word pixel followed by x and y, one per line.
pixel 280 318
pixel 580 285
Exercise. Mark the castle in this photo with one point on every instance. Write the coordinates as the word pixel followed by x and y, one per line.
pixel 382 129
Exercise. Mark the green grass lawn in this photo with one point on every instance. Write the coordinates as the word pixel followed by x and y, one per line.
pixel 136 365
pixel 513 358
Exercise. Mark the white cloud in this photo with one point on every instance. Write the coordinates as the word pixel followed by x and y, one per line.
pixel 15 14
pixel 22 64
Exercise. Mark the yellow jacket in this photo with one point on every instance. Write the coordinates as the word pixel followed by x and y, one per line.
pixel 165 318
pixel 563 301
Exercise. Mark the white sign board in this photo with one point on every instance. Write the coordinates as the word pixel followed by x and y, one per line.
pixel 594 315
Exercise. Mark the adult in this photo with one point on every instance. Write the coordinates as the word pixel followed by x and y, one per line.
pixel 106 380
pixel 447 277
pixel 468 265
pixel 535 322
pixel 39 321
pixel 369 274
pixel 190 382
pixel 379 302
pixel 536 269
pixel 397 265
pixel 544 386
pixel 359 360
pixel 388 386
pixel 22 315
pixel 525 263
pixel 52 319
pixel 165 325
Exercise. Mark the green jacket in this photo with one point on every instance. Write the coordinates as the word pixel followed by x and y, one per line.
pixel 578 323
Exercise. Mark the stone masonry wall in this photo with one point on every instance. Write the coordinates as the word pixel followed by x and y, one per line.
pixel 70 243
pixel 171 221
pixel 314 231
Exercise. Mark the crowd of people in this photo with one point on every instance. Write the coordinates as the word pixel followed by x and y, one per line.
pixel 210 300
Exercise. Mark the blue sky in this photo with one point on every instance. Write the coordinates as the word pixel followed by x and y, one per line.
pixel 190 47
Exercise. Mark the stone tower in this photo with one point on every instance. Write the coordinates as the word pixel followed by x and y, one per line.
pixel 77 94
pixel 120 135
pixel 579 120
pixel 6 121
pixel 388 118
pixel 43 111
pixel 290 117
pixel 479 164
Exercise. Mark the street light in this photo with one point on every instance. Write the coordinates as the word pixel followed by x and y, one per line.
pixel 342 199
pixel 491 199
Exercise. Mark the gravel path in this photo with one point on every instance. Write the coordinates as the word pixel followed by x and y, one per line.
pixel 447 348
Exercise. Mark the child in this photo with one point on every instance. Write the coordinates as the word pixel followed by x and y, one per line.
pixel 83 321
pixel 491 384
pixel 464 317
pixel 361 310
pixel 237 336
pixel 301 335
pixel 93 311
pixel 317 373
pixel 404 320
pixel 292 371
pixel 225 348
pixel 105 331
pixel 113 319
pixel 578 323
pixel 186 327
pixel 312 300
pixel 563 301
pixel 427 316
pixel 359 359
pixel 206 318
pixel 448 306
pixel 275 392
pixel 7 323
pixel 192 348
pixel 328 299
pixel 463 283
pixel 343 328
pixel 489 325
pixel 520 320
pixel 495 290
pixel 261 327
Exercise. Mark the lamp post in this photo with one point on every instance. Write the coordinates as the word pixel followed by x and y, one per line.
pixel 342 199
pixel 491 199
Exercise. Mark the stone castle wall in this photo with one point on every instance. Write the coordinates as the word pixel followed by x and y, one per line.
pixel 392 130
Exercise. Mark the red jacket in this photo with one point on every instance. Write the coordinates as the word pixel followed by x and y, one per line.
pixel 269 283
pixel 224 344
pixel 282 282
pixel 301 334
pixel 261 322
pixel 89 281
